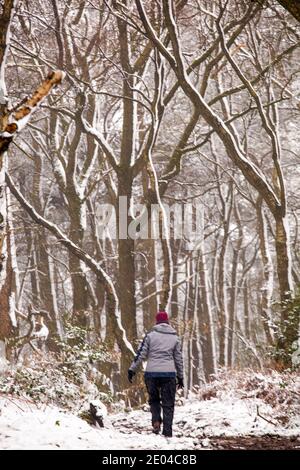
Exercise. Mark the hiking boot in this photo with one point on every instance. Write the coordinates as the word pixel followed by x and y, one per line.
pixel 156 427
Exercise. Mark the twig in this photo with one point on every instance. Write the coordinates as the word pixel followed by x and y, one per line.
pixel 262 417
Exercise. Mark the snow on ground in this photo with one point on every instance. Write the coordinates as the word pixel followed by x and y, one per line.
pixel 219 411
pixel 24 426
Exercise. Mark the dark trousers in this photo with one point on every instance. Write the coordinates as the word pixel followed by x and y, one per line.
pixel 162 392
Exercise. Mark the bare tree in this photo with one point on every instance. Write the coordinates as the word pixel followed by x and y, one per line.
pixel 12 122
pixel 274 197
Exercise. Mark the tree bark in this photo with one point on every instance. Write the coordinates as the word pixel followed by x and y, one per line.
pixel 112 298
pixel 205 320
pixel 126 245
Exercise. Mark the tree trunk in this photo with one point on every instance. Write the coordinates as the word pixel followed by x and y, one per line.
pixel 267 287
pixel 222 285
pixel 246 310
pixel 232 308
pixel 46 291
pixel 289 318
pixel 7 255
pixel 126 247
pixel 149 282
pixel 205 320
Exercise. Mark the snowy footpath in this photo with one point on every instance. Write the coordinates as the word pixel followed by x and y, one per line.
pixel 199 422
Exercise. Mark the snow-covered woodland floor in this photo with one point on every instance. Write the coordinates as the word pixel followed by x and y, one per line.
pixel 238 410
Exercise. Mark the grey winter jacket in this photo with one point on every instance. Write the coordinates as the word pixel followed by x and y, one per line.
pixel 162 350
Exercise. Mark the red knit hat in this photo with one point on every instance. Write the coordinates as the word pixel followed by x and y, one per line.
pixel 162 317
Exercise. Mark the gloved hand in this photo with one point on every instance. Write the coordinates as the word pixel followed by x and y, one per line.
pixel 131 374
pixel 180 382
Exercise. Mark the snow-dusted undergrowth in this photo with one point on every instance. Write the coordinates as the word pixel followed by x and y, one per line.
pixel 235 404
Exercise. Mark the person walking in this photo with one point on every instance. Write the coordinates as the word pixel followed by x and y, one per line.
pixel 161 348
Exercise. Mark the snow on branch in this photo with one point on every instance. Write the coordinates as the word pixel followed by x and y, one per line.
pixel 251 172
pixel 107 149
pixel 14 121
pixel 103 277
